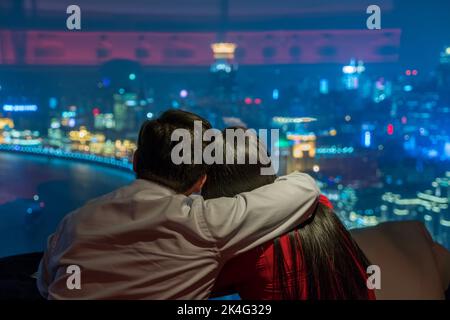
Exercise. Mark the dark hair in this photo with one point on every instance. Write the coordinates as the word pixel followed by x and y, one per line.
pixel 154 147
pixel 321 249
pixel 222 181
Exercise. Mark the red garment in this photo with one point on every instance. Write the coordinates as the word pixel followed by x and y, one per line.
pixel 251 274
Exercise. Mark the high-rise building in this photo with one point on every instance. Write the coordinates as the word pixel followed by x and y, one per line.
pixel 431 207
pixel 223 71
pixel 104 121
pixel 445 56
pixel 124 114
pixel 444 70
pixel 300 144
pixel 352 73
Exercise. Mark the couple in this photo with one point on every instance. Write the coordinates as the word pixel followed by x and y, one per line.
pixel 258 235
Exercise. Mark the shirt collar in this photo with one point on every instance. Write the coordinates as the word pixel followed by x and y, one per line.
pixel 155 188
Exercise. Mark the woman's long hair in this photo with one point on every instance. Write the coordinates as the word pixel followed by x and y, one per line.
pixel 322 252
pixel 330 263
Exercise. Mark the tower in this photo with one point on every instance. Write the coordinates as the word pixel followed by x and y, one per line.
pixel 223 70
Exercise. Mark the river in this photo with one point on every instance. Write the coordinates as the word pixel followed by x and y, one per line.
pixel 37 192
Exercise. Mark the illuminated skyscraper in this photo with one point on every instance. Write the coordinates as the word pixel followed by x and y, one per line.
pixel 445 56
pixel 431 207
pixel 104 121
pixel 124 113
pixel 444 70
pixel 352 73
pixel 223 70
pixel 301 144
pixel 223 56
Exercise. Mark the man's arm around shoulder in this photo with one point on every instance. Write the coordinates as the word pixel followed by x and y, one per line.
pixel 252 218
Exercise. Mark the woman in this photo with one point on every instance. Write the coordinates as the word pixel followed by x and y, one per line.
pixel 320 259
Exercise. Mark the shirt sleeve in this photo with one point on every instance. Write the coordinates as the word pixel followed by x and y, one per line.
pixel 241 223
pixel 46 271
pixel 43 274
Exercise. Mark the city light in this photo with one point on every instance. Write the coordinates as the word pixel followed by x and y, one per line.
pixel 132 76
pixel 175 104
pixel 20 107
pixel 353 68
pixel 447 149
pixel 96 111
pixel 285 120
pixel 275 94
pixel 6 123
pixel 367 139
pixel 57 153
pixel 106 82
pixel 221 66
pixel 71 122
pixel 445 223
pixel 390 129
pixel 408 88
pixel 223 50
pixel 68 114
pixel 334 150
pixel 53 103
pixel 323 86
pixel 183 93
pixel 349 69
pixel 131 103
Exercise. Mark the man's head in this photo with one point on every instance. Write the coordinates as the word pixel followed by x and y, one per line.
pixel 152 159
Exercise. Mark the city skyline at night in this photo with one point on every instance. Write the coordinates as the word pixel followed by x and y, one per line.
pixel 88 110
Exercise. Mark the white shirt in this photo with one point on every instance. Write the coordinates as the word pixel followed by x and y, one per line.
pixel 144 241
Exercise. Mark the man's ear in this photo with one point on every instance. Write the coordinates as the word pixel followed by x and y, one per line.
pixel 197 187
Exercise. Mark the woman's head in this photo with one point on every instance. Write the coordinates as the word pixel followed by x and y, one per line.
pixel 321 250
pixel 227 180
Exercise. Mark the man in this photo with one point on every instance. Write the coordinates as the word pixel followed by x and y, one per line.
pixel 153 239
